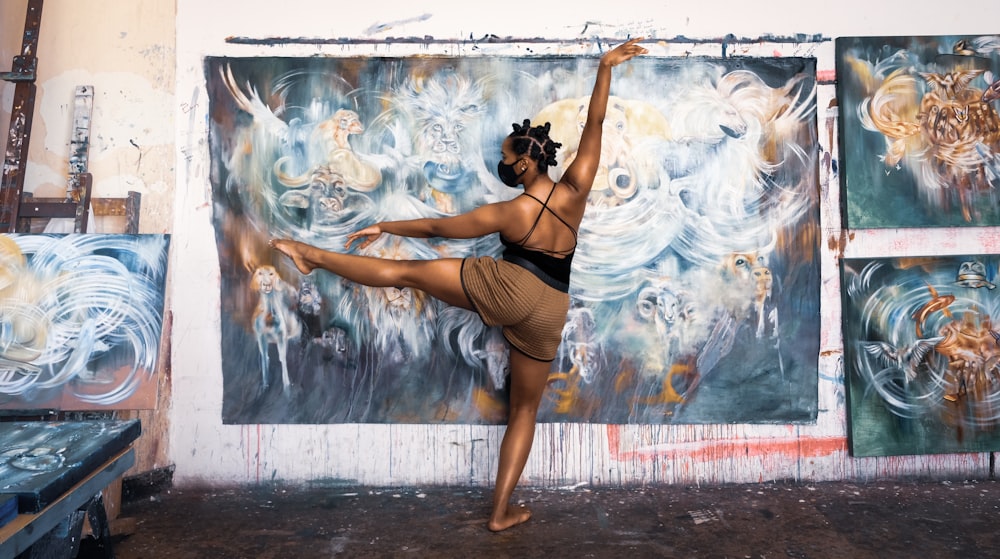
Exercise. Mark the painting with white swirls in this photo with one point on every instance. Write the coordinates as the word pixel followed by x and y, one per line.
pixel 919 130
pixel 922 355
pixel 695 286
pixel 80 320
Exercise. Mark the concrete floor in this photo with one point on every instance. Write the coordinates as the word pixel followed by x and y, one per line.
pixel 814 520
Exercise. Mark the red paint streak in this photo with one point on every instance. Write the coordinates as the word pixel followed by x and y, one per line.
pixel 826 75
pixel 712 450
pixel 252 455
pixel 246 449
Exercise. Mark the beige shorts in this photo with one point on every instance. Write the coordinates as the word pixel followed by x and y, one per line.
pixel 531 313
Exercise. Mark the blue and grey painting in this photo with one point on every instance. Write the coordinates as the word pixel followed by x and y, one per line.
pixel 919 130
pixel 922 355
pixel 695 286
pixel 80 320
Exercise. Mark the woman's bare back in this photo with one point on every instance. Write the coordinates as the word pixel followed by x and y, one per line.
pixel 547 218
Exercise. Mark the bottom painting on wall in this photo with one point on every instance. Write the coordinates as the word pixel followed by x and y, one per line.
pixel 922 356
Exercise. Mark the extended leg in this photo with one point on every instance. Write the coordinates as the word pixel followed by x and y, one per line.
pixel 528 379
pixel 441 278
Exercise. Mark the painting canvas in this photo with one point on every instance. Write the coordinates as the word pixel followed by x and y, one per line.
pixel 919 130
pixel 922 354
pixel 80 320
pixel 695 285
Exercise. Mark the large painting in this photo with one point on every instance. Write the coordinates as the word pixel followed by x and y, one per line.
pixel 922 354
pixel 695 287
pixel 919 130
pixel 80 320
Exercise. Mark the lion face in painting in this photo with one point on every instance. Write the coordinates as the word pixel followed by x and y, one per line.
pixel 444 111
pixel 265 279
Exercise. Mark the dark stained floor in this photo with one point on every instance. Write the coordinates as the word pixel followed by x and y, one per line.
pixel 769 520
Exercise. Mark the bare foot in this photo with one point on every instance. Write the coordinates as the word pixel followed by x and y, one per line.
pixel 510 518
pixel 295 250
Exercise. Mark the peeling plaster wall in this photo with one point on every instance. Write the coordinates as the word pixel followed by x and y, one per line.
pixel 126 51
pixel 150 135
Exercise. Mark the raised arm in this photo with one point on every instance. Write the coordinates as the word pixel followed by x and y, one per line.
pixel 580 174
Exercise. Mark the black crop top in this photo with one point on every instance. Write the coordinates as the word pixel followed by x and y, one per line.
pixel 555 264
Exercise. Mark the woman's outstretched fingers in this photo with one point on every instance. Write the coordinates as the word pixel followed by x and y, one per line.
pixel 625 51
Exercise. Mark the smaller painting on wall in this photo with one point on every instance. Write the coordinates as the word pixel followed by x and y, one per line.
pixel 80 320
pixel 919 131
pixel 921 354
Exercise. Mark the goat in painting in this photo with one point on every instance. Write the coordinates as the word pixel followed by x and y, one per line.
pixel 274 320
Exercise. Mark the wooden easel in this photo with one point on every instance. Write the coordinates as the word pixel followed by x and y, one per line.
pixel 22 74
pixel 127 207
pixel 18 208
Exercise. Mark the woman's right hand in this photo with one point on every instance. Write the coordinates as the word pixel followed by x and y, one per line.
pixel 368 235
pixel 623 52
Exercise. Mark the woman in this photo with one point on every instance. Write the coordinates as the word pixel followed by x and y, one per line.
pixel 526 291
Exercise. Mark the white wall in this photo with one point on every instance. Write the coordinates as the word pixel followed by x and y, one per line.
pixel 205 450
pixel 128 49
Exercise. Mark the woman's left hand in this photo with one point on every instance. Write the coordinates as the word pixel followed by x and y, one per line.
pixel 368 235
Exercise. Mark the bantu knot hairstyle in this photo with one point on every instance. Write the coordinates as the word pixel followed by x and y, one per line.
pixel 535 143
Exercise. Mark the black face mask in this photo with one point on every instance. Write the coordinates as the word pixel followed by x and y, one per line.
pixel 508 175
